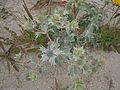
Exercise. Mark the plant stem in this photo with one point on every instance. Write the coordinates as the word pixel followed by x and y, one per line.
pixel 113 16
pixel 49 37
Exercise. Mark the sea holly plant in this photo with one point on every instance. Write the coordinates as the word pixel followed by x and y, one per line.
pixel 78 51
pixel 66 43
pixel 32 76
pixel 84 61
pixel 51 53
pixel 78 84
pixel 63 37
pixel 18 57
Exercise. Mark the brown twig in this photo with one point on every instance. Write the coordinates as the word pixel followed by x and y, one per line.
pixel 27 10
pixel 113 15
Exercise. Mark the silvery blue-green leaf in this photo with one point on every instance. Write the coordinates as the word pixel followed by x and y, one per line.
pixel 51 30
pixel 52 60
pixel 61 58
pixel 44 27
pixel 53 45
pixel 89 30
pixel 37 34
pixel 57 52
pixel 43 49
pixel 65 12
pixel 44 57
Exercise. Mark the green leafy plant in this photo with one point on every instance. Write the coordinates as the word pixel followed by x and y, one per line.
pixel 109 39
pixel 51 53
pixel 6 56
pixel 63 37
pixel 66 42
pixel 76 85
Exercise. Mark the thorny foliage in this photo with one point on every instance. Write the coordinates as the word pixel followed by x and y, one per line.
pixel 62 37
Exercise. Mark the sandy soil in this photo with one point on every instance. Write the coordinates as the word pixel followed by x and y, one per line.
pixel 107 79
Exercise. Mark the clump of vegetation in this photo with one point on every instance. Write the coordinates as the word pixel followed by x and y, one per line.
pixel 109 39
pixel 63 37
